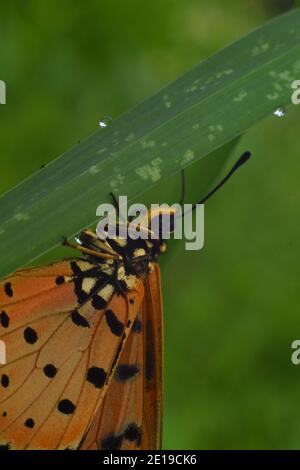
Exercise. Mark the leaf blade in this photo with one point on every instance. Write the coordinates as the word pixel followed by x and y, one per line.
pixel 193 116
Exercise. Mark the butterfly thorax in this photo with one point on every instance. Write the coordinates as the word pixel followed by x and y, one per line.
pixel 135 256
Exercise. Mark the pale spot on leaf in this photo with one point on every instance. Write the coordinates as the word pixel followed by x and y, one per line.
pixel 152 171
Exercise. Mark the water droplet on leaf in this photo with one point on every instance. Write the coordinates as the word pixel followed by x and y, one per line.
pixel 105 122
pixel 279 112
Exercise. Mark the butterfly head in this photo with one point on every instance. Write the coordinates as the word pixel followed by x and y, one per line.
pixel 160 224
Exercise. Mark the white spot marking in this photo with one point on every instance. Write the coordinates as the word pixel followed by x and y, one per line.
pixel 87 284
pixel 106 292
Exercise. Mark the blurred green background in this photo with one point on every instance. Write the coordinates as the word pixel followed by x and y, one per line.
pixel 231 310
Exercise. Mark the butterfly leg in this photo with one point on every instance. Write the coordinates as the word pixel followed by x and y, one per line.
pixel 183 188
pixel 87 251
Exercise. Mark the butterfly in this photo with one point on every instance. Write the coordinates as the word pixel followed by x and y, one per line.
pixel 84 340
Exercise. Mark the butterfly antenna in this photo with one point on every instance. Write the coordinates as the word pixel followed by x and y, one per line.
pixel 183 188
pixel 243 159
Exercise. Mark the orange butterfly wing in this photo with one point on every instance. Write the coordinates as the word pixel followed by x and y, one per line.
pixel 152 309
pixel 62 345
pixel 130 416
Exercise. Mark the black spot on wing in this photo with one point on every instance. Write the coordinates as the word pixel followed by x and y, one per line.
pixel 5 381
pixel 4 319
pixel 30 335
pixel 29 423
pixel 137 326
pixel 8 289
pixel 66 407
pixel 112 442
pixel 115 326
pixel 50 371
pixel 60 280
pixel 79 320
pixel 98 302
pixel 96 376
pixel 126 372
pixel 133 433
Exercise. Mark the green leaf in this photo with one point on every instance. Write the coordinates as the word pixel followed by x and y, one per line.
pixel 193 116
